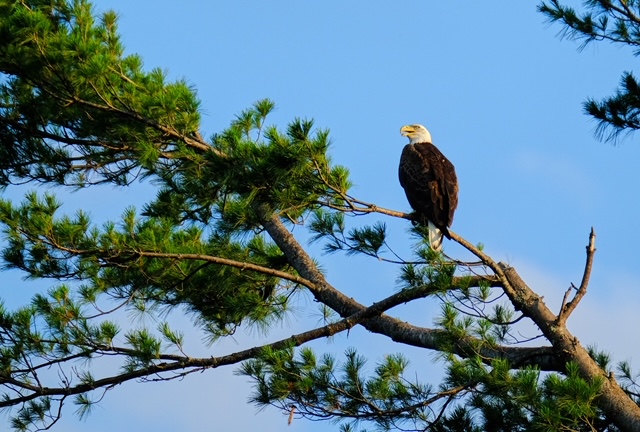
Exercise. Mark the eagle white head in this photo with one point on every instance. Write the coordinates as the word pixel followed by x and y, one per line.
pixel 416 133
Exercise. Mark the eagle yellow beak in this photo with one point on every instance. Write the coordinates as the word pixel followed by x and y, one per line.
pixel 406 130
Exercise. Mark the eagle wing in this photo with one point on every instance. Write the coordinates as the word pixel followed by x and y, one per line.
pixel 430 183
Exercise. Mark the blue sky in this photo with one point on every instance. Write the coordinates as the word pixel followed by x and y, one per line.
pixel 501 95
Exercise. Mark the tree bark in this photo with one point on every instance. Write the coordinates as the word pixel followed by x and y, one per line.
pixel 565 347
pixel 613 400
pixel 397 330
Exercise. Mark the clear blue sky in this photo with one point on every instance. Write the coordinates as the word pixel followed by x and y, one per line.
pixel 501 95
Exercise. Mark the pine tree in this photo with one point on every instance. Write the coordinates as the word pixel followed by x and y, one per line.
pixel 217 242
pixel 617 22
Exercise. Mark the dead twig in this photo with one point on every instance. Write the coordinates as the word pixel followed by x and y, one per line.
pixel 568 307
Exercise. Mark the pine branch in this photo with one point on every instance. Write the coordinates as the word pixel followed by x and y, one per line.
pixel 195 143
pixel 393 328
pixel 185 364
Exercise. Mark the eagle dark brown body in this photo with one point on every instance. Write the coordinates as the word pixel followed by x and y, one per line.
pixel 430 183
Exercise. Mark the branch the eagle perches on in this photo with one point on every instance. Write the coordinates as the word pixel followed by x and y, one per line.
pixel 514 289
pixel 565 347
pixel 503 271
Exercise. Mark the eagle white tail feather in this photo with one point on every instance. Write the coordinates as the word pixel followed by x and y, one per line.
pixel 435 237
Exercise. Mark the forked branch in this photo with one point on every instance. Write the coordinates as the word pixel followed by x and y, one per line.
pixel 568 307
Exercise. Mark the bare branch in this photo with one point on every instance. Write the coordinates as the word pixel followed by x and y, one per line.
pixel 568 308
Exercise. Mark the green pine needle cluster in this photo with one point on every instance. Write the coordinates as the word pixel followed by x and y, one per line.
pixel 74 108
pixel 138 260
pixel 323 388
pixel 260 167
pixel 526 400
pixel 473 396
pixel 329 227
pixel 616 22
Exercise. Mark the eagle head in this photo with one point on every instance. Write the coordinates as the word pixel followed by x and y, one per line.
pixel 416 133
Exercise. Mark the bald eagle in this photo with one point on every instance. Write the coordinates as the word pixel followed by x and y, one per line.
pixel 430 183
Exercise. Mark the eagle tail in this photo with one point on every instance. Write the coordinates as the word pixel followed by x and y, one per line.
pixel 435 237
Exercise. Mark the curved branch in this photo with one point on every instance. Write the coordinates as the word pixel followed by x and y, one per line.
pixel 196 142
pixel 110 257
pixel 397 330
pixel 230 263
pixel 183 362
